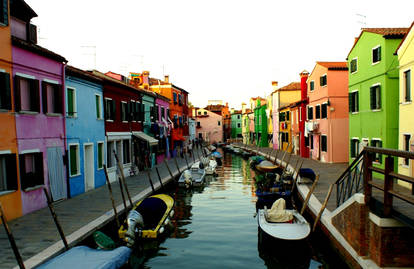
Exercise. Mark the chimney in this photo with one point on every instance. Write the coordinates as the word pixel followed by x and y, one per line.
pixel 274 83
pixel 303 84
pixel 167 79
pixel 145 77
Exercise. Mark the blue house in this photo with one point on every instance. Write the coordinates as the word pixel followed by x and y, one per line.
pixel 85 130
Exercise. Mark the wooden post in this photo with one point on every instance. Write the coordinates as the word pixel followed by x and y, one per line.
pixel 176 163
pixel 150 181
pixel 159 177
pixel 111 196
pixel 193 156
pixel 287 163
pixel 169 171
pixel 323 206
pixel 305 203
pixel 185 157
pixel 296 178
pixel 276 153
pixel 270 154
pixel 52 211
pixel 367 177
pixel 122 191
pixel 122 177
pixel 388 185
pixel 11 239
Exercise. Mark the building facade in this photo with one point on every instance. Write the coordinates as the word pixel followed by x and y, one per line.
pixel 236 124
pixel 209 126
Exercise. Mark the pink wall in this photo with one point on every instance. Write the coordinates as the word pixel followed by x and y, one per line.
pixel 336 126
pixel 37 131
pixel 209 125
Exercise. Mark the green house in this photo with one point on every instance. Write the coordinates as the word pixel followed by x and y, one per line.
pixel 236 124
pixel 373 90
pixel 260 124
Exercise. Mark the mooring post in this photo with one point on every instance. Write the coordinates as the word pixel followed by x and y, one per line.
pixel 193 156
pixel 185 157
pixel 150 181
pixel 296 178
pixel 122 191
pixel 52 211
pixel 305 203
pixel 111 196
pixel 159 177
pixel 176 163
pixel 121 170
pixel 11 239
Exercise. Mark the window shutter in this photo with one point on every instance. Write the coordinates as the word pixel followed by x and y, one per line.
pixel 379 97
pixel 35 95
pixel 4 14
pixel 113 110
pixel 379 54
pixel 372 97
pixel 17 99
pixel 70 102
pixel 11 172
pixel 38 168
pixel 5 95
pixel 44 97
pixel 350 101
pixel 23 177
pixel 352 149
pixel 105 107
pixel 142 112
pixel 356 101
pixel 59 99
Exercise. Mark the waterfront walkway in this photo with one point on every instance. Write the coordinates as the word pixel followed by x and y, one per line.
pixel 36 234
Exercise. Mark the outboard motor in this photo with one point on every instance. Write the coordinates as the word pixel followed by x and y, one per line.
pixel 134 221
pixel 188 179
pixel 201 166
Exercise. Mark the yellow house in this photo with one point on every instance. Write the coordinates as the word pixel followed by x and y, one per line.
pixel 405 54
pixel 285 128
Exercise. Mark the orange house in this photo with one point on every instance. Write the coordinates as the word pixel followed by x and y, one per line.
pixel 10 196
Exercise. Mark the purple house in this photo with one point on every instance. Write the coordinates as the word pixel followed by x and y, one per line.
pixel 40 113
pixel 162 105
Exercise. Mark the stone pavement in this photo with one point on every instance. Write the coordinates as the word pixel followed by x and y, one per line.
pixel 36 232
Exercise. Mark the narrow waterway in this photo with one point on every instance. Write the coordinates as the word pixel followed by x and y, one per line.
pixel 215 227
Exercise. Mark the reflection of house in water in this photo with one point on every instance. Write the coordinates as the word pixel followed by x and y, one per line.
pixel 182 215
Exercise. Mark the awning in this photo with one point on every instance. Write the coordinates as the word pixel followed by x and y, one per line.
pixel 141 135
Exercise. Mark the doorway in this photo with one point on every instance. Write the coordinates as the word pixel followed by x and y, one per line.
pixel 89 161
pixel 55 169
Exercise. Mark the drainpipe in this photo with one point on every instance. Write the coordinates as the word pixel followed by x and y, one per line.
pixel 66 156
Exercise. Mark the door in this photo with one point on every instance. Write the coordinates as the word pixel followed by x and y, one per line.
pixel 89 161
pixel 317 147
pixel 57 182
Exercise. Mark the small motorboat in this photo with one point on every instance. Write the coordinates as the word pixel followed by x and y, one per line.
pixel 211 167
pixel 281 223
pixel 246 154
pixel 147 219
pixel 218 157
pixel 255 160
pixel 194 176
pixel 86 257
pixel 266 166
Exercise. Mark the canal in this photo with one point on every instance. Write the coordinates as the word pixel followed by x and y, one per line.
pixel 214 227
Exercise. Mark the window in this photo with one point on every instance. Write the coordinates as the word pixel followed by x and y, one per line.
pixel 52 98
pixel 5 91
pixel 198 124
pixel 354 65
pixel 98 106
pixel 300 113
pixel 199 113
pixel 4 13
pixel 287 115
pixel 378 144
pixel 71 102
pixel 375 94
pixel 407 86
pixel 306 141
pixel 354 147
pixel 324 143
pixel 407 147
pixel 8 175
pixel 100 155
pixel 311 140
pixel 162 113
pixel 312 85
pixel 27 94
pixel 238 125
pixel 323 80
pixel 31 169
pixel 180 100
pixel 238 117
pixel 110 158
pixel 218 123
pixel 282 116
pixel 126 151
pixel 205 112
pixel 74 165
pixel 317 112
pixel 324 113
pixel 175 97
pixel 124 111
pixel 109 109
pixel 310 113
pixel 376 54
pixel 353 102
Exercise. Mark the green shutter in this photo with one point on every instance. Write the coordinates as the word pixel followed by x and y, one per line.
pixel 100 159
pixel 97 106
pixel 379 97
pixel 113 112
pixel 356 101
pixel 4 14
pixel 73 160
pixel 379 53
pixel 372 97
pixel 70 102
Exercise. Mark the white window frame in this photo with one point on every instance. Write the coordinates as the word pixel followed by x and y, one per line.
pixel 326 85
pixel 372 55
pixel 103 154
pixel 100 106
pixel 374 85
pixel 77 159
pixel 356 58
pixel 404 102
pixel 358 101
pixel 313 86
pixel 126 112
pixel 376 139
pixel 108 98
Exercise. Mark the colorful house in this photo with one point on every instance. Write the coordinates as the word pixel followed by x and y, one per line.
pixel 269 115
pixel 285 129
pixel 327 124
pixel 260 122
pixel 209 126
pixel 304 100
pixel 236 124
pixel 405 54
pixel 217 107
pixel 160 129
pixel 245 124
pixel 282 97
pixel 40 113
pixel 251 126
pixel 373 90
pixel 85 130
pixel 295 126
pixel 10 189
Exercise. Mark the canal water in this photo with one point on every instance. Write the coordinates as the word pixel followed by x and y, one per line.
pixel 214 227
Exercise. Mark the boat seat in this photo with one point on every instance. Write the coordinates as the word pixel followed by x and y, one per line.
pixel 152 209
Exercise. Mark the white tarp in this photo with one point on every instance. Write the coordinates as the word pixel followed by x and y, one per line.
pixel 278 212
pixel 151 140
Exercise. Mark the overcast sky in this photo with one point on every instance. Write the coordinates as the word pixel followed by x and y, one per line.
pixel 216 49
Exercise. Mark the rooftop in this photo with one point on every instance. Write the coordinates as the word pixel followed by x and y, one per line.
pixel 334 65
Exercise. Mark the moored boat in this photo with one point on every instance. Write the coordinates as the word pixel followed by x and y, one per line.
pixel 193 177
pixel 266 166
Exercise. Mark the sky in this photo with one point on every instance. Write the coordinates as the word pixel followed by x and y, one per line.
pixel 228 50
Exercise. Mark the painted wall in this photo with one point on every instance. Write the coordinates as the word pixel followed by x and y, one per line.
pixel 11 201
pixel 210 129
pixel 236 120
pixel 380 124
pixel 85 128
pixel 336 92
pixel 162 118
pixel 261 125
pixel 148 101
pixel 285 127
pixel 38 131
pixel 275 117
pixel 406 119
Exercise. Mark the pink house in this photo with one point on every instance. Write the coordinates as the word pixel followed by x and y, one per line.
pixel 326 128
pixel 209 126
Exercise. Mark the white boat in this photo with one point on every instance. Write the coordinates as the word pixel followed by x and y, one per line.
pixel 211 168
pixel 193 177
pixel 293 226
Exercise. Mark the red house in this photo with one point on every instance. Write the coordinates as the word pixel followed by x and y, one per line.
pixel 304 142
